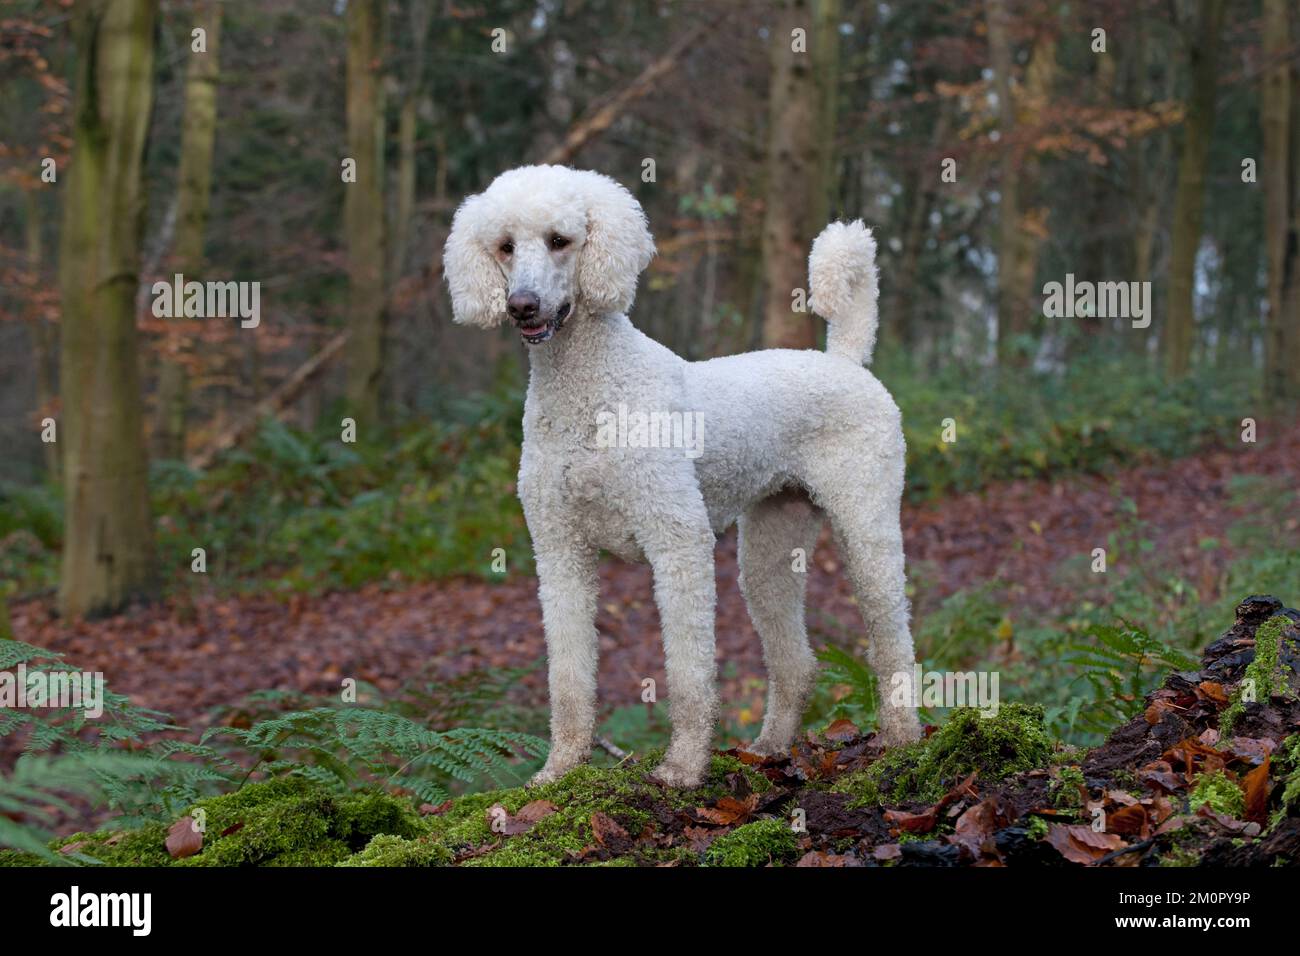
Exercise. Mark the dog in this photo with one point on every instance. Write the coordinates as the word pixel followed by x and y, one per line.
pixel 788 439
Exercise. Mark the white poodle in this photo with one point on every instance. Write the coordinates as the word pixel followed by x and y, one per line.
pixel 777 440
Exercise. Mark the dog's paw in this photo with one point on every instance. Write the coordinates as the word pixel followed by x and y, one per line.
pixel 897 733
pixel 767 748
pixel 677 776
pixel 549 774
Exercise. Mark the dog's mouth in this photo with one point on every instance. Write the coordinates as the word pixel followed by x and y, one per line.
pixel 536 331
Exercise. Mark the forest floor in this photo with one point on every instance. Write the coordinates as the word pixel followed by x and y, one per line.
pixel 194 654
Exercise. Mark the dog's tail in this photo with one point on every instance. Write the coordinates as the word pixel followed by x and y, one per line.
pixel 842 279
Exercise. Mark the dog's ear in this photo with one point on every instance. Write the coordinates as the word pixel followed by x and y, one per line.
pixel 619 245
pixel 477 284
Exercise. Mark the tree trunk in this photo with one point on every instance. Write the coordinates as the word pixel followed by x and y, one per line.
pixel 194 190
pixel 1020 225
pixel 826 61
pixel 43 344
pixel 1291 264
pixel 108 549
pixel 1189 201
pixel 363 210
pixel 791 173
pixel 1280 203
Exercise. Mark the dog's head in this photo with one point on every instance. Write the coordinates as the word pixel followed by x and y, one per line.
pixel 544 245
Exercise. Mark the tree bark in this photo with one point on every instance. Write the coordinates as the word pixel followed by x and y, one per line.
pixel 1189 200
pixel 1020 225
pixel 194 191
pixel 791 174
pixel 108 549
pixel 43 337
pixel 1280 202
pixel 363 210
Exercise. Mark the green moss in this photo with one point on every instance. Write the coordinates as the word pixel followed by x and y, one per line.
pixel 288 821
pixel 388 850
pixel 754 844
pixel 1037 828
pixel 1286 767
pixel 1265 671
pixel 143 847
pixel 994 747
pixel 1068 788
pixel 1219 792
pixel 19 858
pixel 623 793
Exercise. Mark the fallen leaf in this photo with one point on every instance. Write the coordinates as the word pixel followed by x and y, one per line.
pixel 912 822
pixel 823 858
pixel 1130 820
pixel 609 833
pixel 183 839
pixel 841 730
pixel 1256 786
pixel 1082 844
pixel 728 810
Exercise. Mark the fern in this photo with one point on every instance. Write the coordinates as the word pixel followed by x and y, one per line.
pixel 339 747
pixel 1120 666
pixel 42 783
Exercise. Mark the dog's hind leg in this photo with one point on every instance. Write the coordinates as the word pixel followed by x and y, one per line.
pixel 679 546
pixel 864 512
pixel 568 587
pixel 774 583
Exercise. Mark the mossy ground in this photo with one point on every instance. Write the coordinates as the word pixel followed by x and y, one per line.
pixel 1264 675
pixel 755 844
pixel 1014 740
pixel 289 821
pixel 857 806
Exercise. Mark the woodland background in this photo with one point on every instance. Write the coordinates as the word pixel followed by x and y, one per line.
pixel 1171 157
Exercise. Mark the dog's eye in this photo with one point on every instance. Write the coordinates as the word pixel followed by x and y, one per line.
pixel 558 242
pixel 506 247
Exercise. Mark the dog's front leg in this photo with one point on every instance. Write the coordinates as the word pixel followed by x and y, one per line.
pixel 681 554
pixel 567 586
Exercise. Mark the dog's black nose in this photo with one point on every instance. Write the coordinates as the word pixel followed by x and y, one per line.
pixel 523 306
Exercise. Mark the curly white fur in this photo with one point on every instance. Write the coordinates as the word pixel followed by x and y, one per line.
pixel 789 439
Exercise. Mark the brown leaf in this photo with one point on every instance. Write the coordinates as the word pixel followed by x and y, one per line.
pixel 1082 844
pixel 823 858
pixel 912 822
pixel 1213 691
pixel 427 809
pixel 1131 820
pixel 183 839
pixel 841 730
pixel 887 851
pixel 1256 786
pixel 728 810
pixel 1159 707
pixel 536 810
pixel 609 833
pixel 1231 824
pixel 700 837
pixel 503 822
pixel 977 825
pixel 1159 775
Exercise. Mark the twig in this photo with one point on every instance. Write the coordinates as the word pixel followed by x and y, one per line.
pixel 604 116
pixel 613 749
